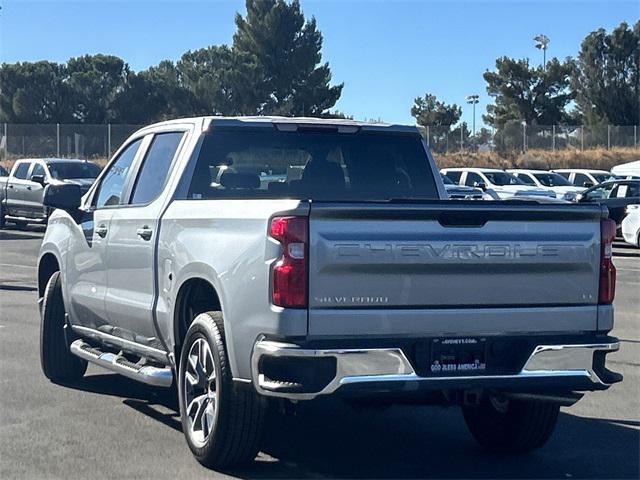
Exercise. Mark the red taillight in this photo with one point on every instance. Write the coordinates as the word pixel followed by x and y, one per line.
pixel 289 273
pixel 607 288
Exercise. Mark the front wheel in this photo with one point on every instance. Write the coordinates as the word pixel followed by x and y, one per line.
pixel 221 422
pixel 58 363
pixel 511 426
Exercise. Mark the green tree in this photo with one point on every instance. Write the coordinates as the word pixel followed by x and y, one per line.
pixel 440 118
pixel 607 76
pixel 221 81
pixel 34 93
pixel 95 81
pixel 429 111
pixel 284 50
pixel 537 96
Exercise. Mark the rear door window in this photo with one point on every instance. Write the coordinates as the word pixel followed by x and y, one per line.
pixel 581 180
pixel 525 178
pixel 22 170
pixel 155 167
pixel 318 165
pixel 454 176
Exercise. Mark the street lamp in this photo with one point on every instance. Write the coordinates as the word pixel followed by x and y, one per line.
pixel 541 44
pixel 473 99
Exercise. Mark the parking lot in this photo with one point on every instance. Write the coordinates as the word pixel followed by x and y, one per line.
pixel 110 427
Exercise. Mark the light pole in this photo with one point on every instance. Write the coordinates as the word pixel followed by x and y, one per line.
pixel 541 44
pixel 473 99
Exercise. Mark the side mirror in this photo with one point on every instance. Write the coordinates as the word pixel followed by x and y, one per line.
pixel 66 196
pixel 38 179
pixel 588 185
pixel 480 185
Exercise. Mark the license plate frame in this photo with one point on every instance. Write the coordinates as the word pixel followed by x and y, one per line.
pixel 451 356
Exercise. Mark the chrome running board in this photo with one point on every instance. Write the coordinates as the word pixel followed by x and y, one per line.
pixel 159 377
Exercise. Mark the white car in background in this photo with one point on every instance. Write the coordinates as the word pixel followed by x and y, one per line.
pixel 500 183
pixel 631 225
pixel 584 177
pixel 547 180
pixel 628 170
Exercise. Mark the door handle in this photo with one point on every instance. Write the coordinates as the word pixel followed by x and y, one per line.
pixel 144 233
pixel 101 230
pixel 29 188
pixel 10 186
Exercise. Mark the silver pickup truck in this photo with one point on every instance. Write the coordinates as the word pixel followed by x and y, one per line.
pixel 22 191
pixel 248 261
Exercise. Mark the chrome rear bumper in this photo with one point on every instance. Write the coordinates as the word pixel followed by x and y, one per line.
pixel 390 365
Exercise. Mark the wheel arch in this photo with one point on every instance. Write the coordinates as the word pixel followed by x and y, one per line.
pixel 47 266
pixel 195 295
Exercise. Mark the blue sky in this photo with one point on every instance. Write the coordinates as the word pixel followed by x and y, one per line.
pixel 386 52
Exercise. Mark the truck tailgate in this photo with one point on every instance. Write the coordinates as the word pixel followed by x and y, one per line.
pixel 450 259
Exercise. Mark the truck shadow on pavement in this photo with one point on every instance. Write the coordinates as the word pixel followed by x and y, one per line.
pixel 330 438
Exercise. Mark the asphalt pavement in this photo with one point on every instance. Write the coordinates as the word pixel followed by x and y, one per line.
pixel 110 427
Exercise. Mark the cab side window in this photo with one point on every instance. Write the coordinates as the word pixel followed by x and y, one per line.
pixel 22 170
pixel 38 170
pixel 111 187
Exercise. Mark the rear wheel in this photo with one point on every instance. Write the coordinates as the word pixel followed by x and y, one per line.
pixel 221 422
pixel 58 363
pixel 511 426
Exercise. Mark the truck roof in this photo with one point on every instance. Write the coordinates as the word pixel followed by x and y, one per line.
pixel 267 121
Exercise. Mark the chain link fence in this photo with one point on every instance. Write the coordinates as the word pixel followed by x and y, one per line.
pixel 101 141
pixel 62 140
pixel 518 137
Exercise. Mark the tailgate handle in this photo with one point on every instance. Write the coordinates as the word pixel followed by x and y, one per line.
pixel 462 219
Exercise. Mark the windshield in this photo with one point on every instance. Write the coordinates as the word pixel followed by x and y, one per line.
pixel 312 164
pixel 502 178
pixel 552 180
pixel 447 180
pixel 63 170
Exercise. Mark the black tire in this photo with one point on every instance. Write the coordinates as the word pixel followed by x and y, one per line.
pixel 518 426
pixel 236 430
pixel 58 364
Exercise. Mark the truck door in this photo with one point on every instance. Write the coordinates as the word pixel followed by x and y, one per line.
pixel 34 192
pixel 16 186
pixel 131 263
pixel 86 265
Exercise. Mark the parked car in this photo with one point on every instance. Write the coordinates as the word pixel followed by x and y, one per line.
pixel 631 225
pixel 352 278
pixel 584 177
pixel 547 180
pixel 503 184
pixel 616 195
pixel 456 192
pixel 22 191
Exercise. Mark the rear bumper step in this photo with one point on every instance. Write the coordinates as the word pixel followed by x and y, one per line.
pixel 575 367
pixel 159 377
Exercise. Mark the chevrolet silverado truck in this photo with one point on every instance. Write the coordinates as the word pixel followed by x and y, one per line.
pixel 22 191
pixel 257 260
